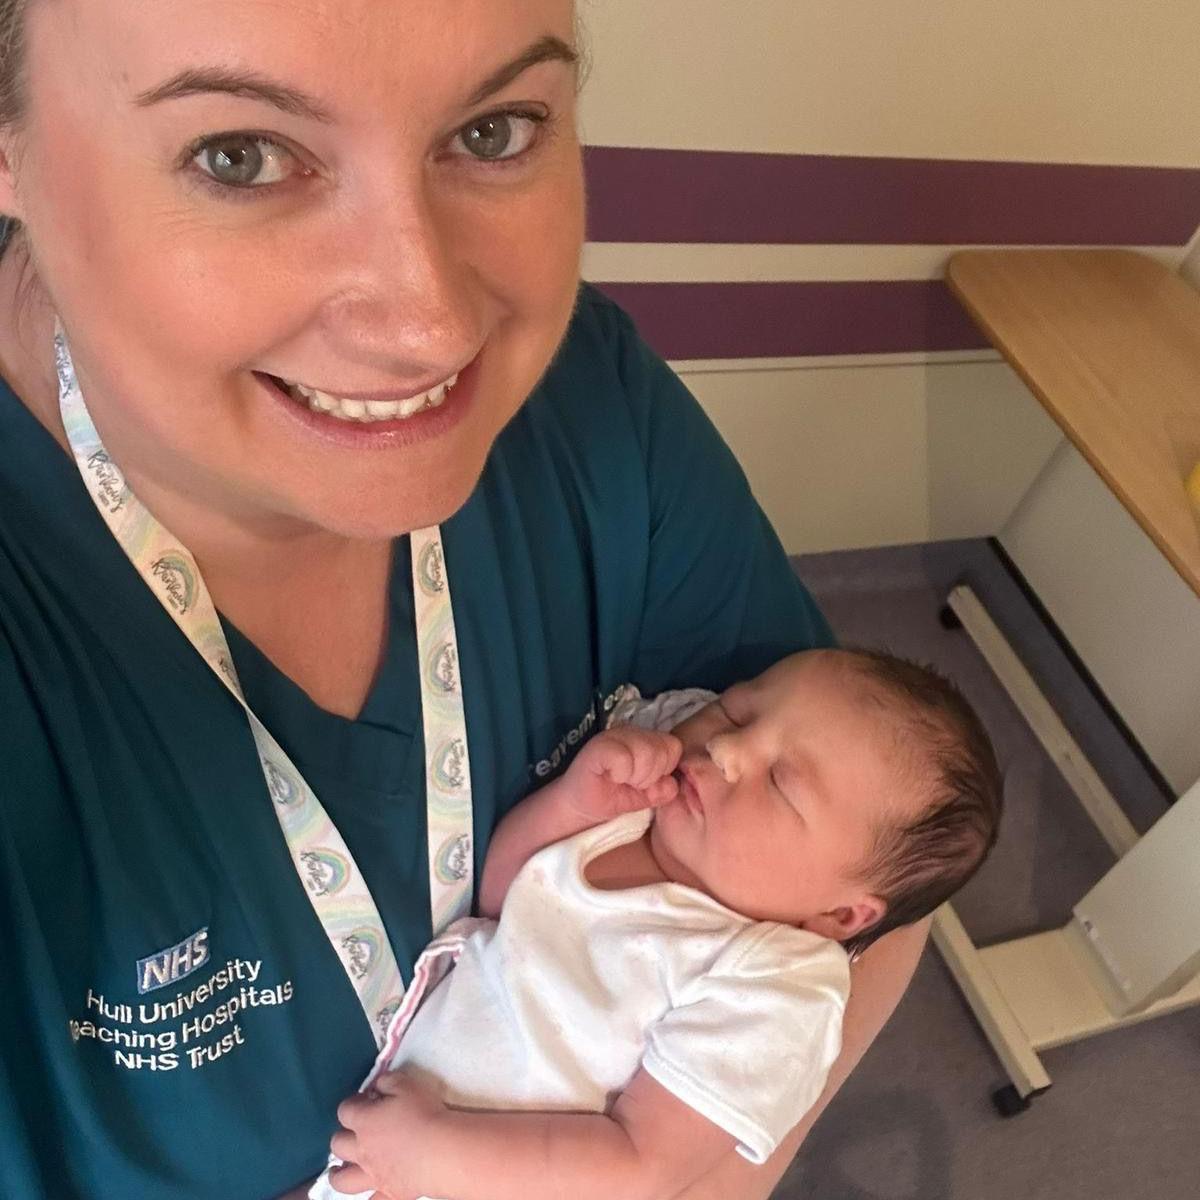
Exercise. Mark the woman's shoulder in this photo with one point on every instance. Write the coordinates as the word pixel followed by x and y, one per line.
pixel 598 316
pixel 27 686
pixel 608 383
pixel 604 341
pixel 595 357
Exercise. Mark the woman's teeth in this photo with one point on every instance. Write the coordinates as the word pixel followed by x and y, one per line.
pixel 365 411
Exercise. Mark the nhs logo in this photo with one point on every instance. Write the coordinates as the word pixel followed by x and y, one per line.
pixel 174 963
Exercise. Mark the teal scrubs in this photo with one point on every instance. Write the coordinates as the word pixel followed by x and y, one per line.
pixel 173 1021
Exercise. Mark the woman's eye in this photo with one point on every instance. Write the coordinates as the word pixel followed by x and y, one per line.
pixel 244 160
pixel 499 136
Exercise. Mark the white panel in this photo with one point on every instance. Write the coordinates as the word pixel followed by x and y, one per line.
pixel 1143 918
pixel 988 439
pixel 836 457
pixel 1093 81
pixel 671 262
pixel 1126 612
pixel 822 362
pixel 1190 267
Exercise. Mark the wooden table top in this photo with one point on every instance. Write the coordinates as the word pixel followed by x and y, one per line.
pixel 1109 342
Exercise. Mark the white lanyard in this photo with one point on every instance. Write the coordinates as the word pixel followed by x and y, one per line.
pixel 332 881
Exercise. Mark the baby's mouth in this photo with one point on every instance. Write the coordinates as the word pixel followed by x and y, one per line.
pixel 688 792
pixel 363 411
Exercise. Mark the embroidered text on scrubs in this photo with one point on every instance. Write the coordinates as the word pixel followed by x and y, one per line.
pixel 573 737
pixel 116 1024
pixel 173 963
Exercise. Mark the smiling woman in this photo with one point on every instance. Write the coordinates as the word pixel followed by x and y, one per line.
pixel 248 229
pixel 293 343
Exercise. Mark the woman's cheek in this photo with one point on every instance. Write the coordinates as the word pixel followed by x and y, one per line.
pixel 528 232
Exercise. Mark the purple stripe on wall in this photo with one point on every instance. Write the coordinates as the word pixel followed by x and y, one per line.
pixel 719 196
pixel 785 320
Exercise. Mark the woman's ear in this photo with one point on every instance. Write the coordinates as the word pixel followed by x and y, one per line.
pixel 848 920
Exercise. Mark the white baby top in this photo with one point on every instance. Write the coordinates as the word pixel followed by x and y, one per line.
pixel 557 1006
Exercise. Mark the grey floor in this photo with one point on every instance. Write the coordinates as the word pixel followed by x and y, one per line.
pixel 1122 1121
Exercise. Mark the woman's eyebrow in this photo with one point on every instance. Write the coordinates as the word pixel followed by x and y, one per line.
pixel 548 49
pixel 199 80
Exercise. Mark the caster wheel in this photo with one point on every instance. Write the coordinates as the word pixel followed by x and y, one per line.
pixel 949 618
pixel 1009 1102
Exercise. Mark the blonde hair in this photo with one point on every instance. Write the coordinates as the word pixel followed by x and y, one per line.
pixel 12 61
pixel 12 85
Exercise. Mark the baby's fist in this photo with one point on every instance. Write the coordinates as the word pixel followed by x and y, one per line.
pixel 623 770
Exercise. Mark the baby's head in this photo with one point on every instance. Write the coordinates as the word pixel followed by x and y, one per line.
pixel 848 792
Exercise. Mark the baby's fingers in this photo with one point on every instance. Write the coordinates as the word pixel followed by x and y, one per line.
pixel 657 756
pixel 624 798
pixel 661 791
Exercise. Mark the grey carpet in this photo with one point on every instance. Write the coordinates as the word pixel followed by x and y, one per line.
pixel 915 1121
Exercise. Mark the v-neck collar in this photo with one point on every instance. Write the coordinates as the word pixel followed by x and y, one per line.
pixel 370 751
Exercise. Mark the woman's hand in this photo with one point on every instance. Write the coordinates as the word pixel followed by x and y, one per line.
pixel 387 1132
pixel 622 770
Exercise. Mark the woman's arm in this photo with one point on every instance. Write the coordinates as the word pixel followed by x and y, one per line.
pixel 878 980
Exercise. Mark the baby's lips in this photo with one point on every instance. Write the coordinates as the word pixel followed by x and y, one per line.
pixel 663 790
pixel 688 784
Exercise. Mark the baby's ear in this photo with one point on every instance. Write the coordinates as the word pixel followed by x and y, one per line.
pixel 848 920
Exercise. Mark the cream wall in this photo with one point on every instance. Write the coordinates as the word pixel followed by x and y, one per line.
pixel 1093 81
pixel 860 452
pixel 882 453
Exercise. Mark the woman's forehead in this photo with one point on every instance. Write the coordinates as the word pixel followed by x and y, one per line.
pixel 349 39
pixel 358 14
pixel 365 64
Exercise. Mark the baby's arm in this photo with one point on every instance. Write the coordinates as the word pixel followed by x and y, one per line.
pixel 650 1147
pixel 618 771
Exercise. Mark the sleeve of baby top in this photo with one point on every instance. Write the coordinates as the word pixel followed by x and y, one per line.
pixel 751 1042
pixel 722 602
pixel 664 712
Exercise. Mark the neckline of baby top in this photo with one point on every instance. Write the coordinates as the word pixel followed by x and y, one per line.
pixel 584 848
pixel 336 889
pixel 571 858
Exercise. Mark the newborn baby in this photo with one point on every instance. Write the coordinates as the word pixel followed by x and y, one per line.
pixel 677 914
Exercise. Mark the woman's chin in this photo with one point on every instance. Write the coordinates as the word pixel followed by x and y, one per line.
pixel 381 522
pixel 374 480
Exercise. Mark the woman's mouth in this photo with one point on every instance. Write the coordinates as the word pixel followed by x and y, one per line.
pixel 378 419
pixel 361 411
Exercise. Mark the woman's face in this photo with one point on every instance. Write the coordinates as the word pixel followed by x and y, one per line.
pixel 415 214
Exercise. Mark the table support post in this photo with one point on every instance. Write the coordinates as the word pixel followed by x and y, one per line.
pixel 1132 950
pixel 1003 1031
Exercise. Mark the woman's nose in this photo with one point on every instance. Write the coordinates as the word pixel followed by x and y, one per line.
pixel 405 304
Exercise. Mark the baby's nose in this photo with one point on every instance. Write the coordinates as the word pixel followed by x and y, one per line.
pixel 723 758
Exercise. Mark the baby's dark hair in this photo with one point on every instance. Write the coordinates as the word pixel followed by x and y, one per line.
pixel 917 864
